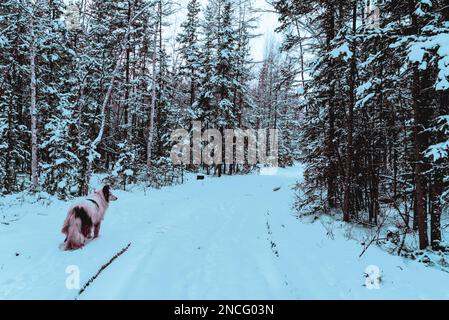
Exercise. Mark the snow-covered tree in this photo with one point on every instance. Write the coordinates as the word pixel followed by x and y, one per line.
pixel 190 48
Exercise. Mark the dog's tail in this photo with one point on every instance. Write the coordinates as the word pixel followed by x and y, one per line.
pixel 73 228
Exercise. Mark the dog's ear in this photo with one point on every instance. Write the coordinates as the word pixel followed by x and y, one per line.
pixel 106 192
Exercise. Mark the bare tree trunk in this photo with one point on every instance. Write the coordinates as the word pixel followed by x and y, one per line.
pixel 348 171
pixel 331 174
pixel 438 183
pixel 153 100
pixel 420 144
pixel 33 113
pixel 435 218
pixel 419 141
pixel 301 56
pixel 94 144
pixel 127 79
pixel 419 147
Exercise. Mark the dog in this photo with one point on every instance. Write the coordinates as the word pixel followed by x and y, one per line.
pixel 84 215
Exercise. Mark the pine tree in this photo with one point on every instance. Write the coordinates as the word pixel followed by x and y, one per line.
pixel 202 110
pixel 225 112
pixel 190 48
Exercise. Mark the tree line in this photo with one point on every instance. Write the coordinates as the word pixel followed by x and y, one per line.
pixel 92 86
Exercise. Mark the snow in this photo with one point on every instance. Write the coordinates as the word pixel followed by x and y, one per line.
pixel 424 45
pixel 438 151
pixel 364 87
pixel 60 161
pixel 419 11
pixel 128 172
pixel 361 103
pixel 342 50
pixel 427 2
pixel 229 237
pixel 3 41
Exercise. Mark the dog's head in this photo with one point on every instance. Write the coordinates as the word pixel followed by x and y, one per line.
pixel 108 194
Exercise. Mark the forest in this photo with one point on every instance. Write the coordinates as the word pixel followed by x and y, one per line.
pixel 358 90
pixel 374 131
pixel 97 86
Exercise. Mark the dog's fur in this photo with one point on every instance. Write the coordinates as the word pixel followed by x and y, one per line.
pixel 84 215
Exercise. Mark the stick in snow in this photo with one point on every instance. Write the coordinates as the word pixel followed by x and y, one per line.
pixel 118 254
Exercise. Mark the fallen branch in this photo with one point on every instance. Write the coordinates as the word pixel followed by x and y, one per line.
pixel 118 254
pixel 403 241
pixel 375 238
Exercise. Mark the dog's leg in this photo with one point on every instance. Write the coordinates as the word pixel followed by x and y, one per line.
pixel 75 237
pixel 87 231
pixel 97 229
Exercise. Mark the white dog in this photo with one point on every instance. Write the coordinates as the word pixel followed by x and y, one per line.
pixel 84 215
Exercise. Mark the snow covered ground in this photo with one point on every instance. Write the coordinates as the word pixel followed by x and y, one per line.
pixel 221 238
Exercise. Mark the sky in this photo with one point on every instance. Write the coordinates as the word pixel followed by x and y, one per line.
pixel 267 24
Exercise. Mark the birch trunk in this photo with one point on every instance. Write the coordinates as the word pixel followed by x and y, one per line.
pixel 33 113
pixel 347 206
pixel 153 101
pixel 331 172
pixel 94 144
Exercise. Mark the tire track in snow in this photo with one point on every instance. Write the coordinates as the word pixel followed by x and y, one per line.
pixel 275 248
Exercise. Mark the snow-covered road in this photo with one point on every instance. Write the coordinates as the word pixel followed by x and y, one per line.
pixel 230 237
